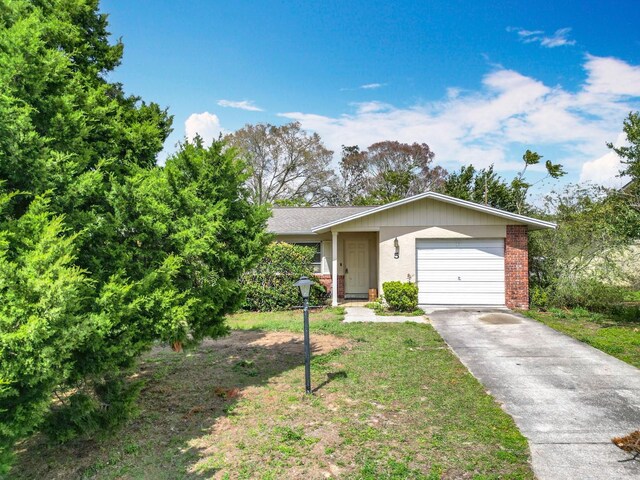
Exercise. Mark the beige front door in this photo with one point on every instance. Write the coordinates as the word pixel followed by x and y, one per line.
pixel 356 271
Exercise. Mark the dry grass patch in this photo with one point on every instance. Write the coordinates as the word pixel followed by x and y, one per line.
pixel 391 401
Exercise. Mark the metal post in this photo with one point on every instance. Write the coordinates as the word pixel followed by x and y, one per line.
pixel 307 348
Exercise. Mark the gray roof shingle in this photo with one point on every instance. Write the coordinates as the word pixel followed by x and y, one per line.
pixel 301 220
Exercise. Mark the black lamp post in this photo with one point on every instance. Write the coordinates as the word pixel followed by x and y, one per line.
pixel 304 285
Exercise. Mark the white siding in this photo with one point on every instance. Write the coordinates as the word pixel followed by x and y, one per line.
pixel 460 271
pixel 427 212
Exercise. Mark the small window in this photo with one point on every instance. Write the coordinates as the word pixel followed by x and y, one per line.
pixel 316 264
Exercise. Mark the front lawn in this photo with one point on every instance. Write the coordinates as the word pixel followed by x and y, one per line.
pixel 618 335
pixel 391 401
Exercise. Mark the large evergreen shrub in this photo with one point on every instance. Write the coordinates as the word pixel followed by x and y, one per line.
pixel 270 285
pixel 102 252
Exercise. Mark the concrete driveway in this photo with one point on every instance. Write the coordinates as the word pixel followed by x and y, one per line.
pixel 566 397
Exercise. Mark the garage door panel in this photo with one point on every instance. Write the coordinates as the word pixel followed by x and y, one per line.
pixel 496 275
pixel 461 287
pixel 460 271
pixel 461 254
pixel 459 243
pixel 461 299
pixel 459 265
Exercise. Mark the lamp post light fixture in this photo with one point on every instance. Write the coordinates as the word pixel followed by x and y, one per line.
pixel 396 245
pixel 304 286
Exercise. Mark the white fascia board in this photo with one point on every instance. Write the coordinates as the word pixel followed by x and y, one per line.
pixel 532 222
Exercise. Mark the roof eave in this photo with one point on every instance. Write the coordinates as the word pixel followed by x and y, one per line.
pixel 294 233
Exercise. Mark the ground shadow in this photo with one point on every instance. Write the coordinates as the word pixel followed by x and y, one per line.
pixel 331 376
pixel 185 395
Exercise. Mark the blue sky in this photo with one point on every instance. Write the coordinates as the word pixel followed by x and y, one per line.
pixel 480 82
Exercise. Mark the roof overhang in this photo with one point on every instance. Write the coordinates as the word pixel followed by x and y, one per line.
pixel 532 223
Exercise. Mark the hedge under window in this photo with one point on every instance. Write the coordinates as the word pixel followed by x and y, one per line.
pixel 316 264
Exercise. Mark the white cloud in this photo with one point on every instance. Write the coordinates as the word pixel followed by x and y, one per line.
pixel 611 76
pixel 372 86
pixel 605 169
pixel 558 39
pixel 242 105
pixel 496 123
pixel 205 124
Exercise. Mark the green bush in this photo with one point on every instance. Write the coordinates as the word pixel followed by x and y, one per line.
pixel 539 297
pixel 270 285
pixel 102 251
pixel 587 293
pixel 401 297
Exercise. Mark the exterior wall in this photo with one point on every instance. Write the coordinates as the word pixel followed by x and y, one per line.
pixel 516 267
pixel 422 213
pixel 404 267
pixel 325 280
pixel 325 272
pixel 426 218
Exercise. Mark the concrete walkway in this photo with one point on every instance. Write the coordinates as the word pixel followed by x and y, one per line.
pixel 566 397
pixel 364 314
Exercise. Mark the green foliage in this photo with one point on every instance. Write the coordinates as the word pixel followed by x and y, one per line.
pixel 587 293
pixel 630 158
pixel 269 286
pixel 102 252
pixel 41 317
pixel 483 186
pixel 487 187
pixel 588 260
pixel 381 308
pixel 630 154
pixel 100 412
pixel 401 296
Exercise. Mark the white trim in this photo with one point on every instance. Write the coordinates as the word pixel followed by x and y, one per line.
pixel 444 198
pixel 359 230
pixel 325 269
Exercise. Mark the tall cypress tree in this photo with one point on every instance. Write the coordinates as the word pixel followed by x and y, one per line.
pixel 102 252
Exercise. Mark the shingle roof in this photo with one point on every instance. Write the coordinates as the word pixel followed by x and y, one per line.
pixel 302 220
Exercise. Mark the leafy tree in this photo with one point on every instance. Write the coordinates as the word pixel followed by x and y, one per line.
pixel 102 252
pixel 585 261
pixel 288 165
pixel 483 186
pixel 487 187
pixel 630 156
pixel 387 171
pixel 520 187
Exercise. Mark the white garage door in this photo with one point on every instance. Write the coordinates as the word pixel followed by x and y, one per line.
pixel 461 272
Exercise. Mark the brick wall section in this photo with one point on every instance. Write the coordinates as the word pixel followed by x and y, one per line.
pixel 325 280
pixel 516 267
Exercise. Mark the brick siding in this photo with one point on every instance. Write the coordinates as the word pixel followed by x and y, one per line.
pixel 516 267
pixel 325 280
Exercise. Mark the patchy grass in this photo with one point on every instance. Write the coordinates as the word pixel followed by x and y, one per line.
pixel 615 334
pixel 390 402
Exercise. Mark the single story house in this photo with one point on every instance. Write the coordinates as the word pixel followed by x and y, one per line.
pixel 458 252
